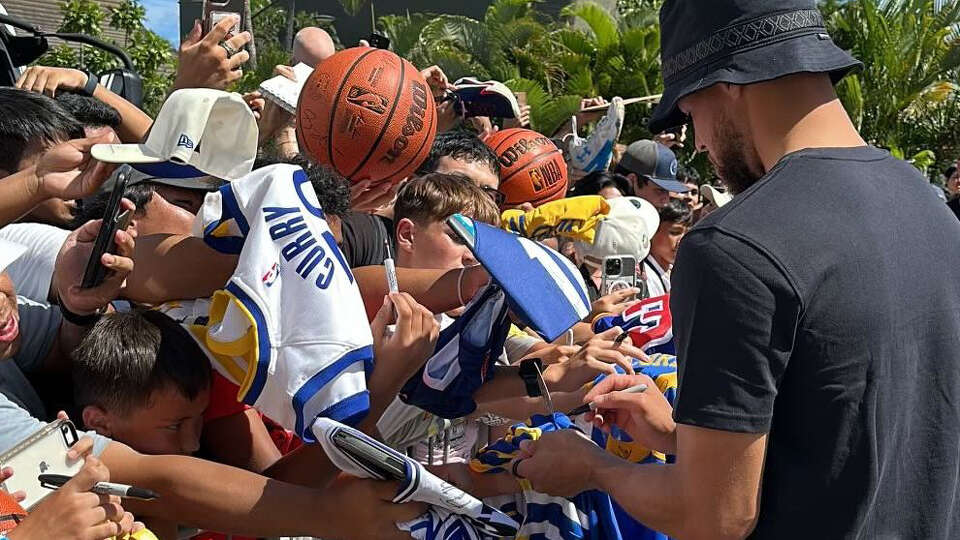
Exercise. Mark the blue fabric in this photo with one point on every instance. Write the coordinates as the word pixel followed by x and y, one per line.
pixel 345 411
pixel 544 289
pixel 649 323
pixel 463 358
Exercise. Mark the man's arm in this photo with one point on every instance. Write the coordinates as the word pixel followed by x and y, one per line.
pixel 221 498
pixel 437 290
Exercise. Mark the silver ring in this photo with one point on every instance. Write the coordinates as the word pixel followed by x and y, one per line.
pixel 228 48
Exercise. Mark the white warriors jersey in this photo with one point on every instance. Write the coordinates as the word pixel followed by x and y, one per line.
pixel 289 327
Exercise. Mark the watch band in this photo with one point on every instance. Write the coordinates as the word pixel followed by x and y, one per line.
pixel 79 320
pixel 529 369
pixel 91 86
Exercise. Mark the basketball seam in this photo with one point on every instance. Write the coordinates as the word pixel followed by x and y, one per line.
pixel 422 144
pixel 535 160
pixel 333 114
pixel 505 139
pixel 386 124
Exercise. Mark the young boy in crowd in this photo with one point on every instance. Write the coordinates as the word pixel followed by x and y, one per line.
pixel 675 219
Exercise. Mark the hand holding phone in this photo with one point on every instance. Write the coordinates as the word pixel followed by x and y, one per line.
pixel 113 220
pixel 619 272
pixel 44 452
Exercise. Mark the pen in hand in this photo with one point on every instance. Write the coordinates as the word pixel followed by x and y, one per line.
pixel 587 407
pixel 55 481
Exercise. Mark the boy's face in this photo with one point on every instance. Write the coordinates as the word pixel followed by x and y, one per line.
pixel 433 246
pixel 664 244
pixel 169 424
pixel 9 319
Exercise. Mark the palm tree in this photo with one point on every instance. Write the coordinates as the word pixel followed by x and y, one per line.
pixel 904 98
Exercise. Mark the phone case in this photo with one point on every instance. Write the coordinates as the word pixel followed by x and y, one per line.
pixel 106 242
pixel 370 456
pixel 215 10
pixel 614 283
pixel 44 452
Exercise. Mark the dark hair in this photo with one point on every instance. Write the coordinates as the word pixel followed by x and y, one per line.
pixel 436 196
pixel 623 171
pixel 333 190
pixel 676 212
pixel 140 195
pixel 126 357
pixel 459 145
pixel 687 174
pixel 949 172
pixel 88 110
pixel 31 121
pixel 595 182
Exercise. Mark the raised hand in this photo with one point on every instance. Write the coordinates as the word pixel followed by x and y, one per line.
pixel 47 80
pixel 67 171
pixel 72 262
pixel 211 61
pixel 599 355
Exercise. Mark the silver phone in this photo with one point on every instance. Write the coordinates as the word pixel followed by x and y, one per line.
pixel 44 452
pixel 372 457
pixel 619 272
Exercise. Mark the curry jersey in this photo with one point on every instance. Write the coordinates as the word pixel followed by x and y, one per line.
pixel 289 327
pixel 648 322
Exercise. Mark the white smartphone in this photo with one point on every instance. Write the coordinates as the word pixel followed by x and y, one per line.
pixel 619 272
pixel 44 452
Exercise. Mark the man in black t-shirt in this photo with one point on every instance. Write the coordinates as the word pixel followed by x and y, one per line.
pixel 817 315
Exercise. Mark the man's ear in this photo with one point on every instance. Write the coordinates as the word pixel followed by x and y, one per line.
pixel 97 419
pixel 406 235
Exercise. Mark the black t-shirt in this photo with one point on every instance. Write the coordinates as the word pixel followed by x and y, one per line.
pixel 822 306
pixel 954 204
pixel 363 239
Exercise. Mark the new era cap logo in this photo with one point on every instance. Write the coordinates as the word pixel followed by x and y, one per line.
pixel 185 141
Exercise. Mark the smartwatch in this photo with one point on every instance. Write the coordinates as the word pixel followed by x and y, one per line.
pixel 91 86
pixel 529 371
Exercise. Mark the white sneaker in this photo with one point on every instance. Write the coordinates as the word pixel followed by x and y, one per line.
pixel 596 151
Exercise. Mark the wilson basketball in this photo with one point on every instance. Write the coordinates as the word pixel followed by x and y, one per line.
pixel 11 513
pixel 532 169
pixel 367 113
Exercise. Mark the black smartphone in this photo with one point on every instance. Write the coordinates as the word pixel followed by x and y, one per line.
pixel 379 42
pixel 372 458
pixel 113 220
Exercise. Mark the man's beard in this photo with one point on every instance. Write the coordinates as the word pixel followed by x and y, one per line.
pixel 731 160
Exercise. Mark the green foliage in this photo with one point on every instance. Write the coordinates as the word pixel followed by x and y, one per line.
pixel 152 55
pixel 911 50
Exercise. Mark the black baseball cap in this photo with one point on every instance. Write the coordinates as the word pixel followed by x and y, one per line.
pixel 655 162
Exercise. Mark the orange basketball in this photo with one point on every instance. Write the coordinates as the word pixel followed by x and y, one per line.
pixel 532 168
pixel 11 513
pixel 367 113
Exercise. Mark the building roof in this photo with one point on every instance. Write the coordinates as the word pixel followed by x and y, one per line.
pixel 45 14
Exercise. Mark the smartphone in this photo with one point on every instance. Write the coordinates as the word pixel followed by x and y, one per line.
pixel 370 456
pixel 378 42
pixel 619 272
pixel 215 11
pixel 44 452
pixel 113 220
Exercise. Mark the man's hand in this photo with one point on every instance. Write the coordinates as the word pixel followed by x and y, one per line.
pixel 521 122
pixel 558 463
pixel 553 354
pixel 599 355
pixel 67 171
pixel 47 80
pixel 646 416
pixel 273 117
pixel 365 196
pixel 400 354
pixel 365 510
pixel 437 80
pixel 204 62
pixel 73 513
pixel 613 303
pixel 72 262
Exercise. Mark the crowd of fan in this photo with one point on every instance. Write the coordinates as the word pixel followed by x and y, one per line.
pixel 134 379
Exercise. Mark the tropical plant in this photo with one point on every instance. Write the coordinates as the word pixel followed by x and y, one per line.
pixel 905 97
pixel 151 55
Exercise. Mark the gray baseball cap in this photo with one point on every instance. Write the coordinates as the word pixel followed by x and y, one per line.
pixel 655 162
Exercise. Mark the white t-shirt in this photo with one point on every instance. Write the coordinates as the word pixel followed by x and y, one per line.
pixel 33 271
pixel 658 279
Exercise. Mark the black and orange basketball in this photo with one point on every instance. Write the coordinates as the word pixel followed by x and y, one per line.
pixel 532 169
pixel 367 113
pixel 11 513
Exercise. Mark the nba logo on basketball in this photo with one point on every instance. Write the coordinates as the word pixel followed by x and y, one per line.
pixel 367 99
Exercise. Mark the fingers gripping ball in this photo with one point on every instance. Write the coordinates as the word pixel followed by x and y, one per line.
pixel 532 167
pixel 367 113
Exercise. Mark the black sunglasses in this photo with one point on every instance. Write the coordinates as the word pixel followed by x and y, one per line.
pixel 498 198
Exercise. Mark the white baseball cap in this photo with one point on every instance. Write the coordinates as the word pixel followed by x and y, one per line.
pixel 627 230
pixel 199 132
pixel 714 195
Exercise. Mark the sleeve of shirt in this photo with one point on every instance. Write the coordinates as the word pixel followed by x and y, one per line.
pixel 16 425
pixel 39 324
pixel 362 243
pixel 735 314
